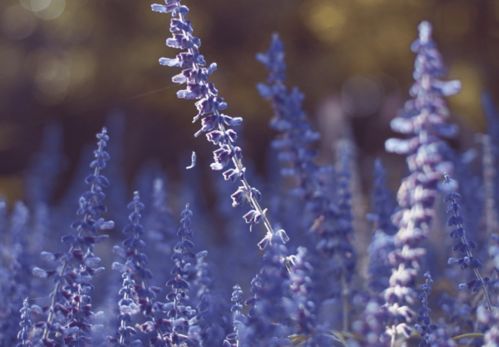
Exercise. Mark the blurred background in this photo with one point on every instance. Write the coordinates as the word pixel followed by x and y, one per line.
pixel 76 62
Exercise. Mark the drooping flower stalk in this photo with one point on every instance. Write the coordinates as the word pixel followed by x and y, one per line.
pixel 217 126
pixel 425 121
pixel 70 309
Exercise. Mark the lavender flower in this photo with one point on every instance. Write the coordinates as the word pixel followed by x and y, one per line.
pixel 176 319
pixel 267 318
pixel 301 308
pixel 237 337
pixel 296 138
pixel 424 326
pixel 431 334
pixel 424 119
pixel 295 143
pixel 132 258
pixel 382 242
pixel 69 319
pixel 25 325
pixel 209 305
pixel 463 247
pixel 216 125
pixel 128 308
pixel 303 311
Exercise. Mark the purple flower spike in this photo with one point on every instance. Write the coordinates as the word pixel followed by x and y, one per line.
pixel 69 313
pixel 424 121
pixel 215 124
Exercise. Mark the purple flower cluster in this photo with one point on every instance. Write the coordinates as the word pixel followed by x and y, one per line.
pixel 329 221
pixel 69 313
pixel 424 120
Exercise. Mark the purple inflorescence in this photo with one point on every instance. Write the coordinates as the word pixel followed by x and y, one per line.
pixel 132 258
pixel 136 295
pixel 128 307
pixel 270 289
pixel 295 143
pixel 25 325
pixel 463 247
pixel 208 304
pixel 301 308
pixel 237 337
pixel 424 121
pixel 217 126
pixel 69 313
pixel 296 136
pixel 175 320
pixel 382 241
pixel 430 334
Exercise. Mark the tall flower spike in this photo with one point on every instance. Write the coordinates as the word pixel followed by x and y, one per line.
pixel 216 125
pixel 136 294
pixel 132 258
pixel 25 325
pixel 463 247
pixel 296 139
pixel 129 307
pixel 424 327
pixel 383 205
pixel 177 322
pixel 70 308
pixel 237 337
pixel 268 320
pixel 424 121
pixel 208 304
pixel 431 335
pixel 296 146
pixel 301 308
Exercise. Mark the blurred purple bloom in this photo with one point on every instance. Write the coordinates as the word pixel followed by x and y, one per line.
pixel 425 121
